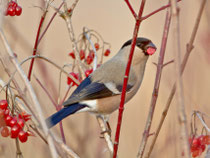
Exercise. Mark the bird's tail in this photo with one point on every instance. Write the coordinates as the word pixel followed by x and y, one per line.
pixel 60 115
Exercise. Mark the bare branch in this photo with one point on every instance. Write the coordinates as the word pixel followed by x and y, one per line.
pixel 179 84
pixel 156 85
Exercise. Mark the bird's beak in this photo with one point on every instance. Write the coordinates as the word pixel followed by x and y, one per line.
pixel 150 48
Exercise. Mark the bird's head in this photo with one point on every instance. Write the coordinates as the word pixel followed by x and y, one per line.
pixel 146 45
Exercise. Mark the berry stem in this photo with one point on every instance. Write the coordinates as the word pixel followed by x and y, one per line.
pixel 18 152
pixel 202 121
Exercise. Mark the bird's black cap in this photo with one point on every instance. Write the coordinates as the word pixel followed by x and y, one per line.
pixel 141 42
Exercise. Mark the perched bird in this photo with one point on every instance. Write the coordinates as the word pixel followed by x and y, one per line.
pixel 100 92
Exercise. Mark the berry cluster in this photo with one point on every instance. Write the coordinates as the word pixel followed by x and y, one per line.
pixel 87 60
pixel 13 125
pixel 91 54
pixel 198 144
pixel 13 9
pixel 69 80
pixel 76 76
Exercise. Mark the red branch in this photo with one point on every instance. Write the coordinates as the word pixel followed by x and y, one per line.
pixel 156 11
pixel 52 18
pixel 56 106
pixel 37 41
pixel 35 46
pixel 156 86
pixel 121 108
pixel 131 8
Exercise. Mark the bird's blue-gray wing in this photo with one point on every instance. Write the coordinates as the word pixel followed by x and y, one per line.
pixel 89 90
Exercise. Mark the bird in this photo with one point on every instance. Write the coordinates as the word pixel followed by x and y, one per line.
pixel 100 92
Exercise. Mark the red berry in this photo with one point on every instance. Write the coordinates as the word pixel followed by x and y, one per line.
pixel 29 133
pixel 22 136
pixel 6 112
pixel 107 52
pixel 206 139
pixel 2 122
pixel 21 123
pixel 18 10
pixel 15 131
pixel 69 10
pixel 72 55
pixel 24 116
pixel 195 144
pixel 82 54
pixel 201 139
pixel 202 147
pixel 3 104
pixel 69 80
pixel 1 113
pixel 8 118
pixel 196 153
pixel 88 72
pixel 13 122
pixel 89 59
pixel 96 46
pixel 12 4
pixel 5 131
pixel 92 54
pixel 11 10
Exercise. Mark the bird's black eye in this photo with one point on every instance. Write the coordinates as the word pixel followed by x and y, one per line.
pixel 143 44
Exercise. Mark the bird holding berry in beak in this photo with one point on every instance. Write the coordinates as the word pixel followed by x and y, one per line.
pixel 100 92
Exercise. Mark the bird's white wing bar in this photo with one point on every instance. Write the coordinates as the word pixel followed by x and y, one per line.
pixel 112 87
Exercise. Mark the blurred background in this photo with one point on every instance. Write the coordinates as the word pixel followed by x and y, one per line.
pixel 114 22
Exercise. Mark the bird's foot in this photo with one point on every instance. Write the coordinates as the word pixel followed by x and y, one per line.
pixel 108 130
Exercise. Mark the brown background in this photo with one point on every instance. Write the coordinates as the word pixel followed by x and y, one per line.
pixel 113 20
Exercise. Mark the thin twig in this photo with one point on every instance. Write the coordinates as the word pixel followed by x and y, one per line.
pixel 167 63
pixel 156 11
pixel 202 121
pixel 49 61
pixel 18 152
pixel 179 84
pixel 156 85
pixel 38 133
pixel 45 90
pixel 125 82
pixel 37 38
pixel 131 8
pixel 48 25
pixel 57 107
